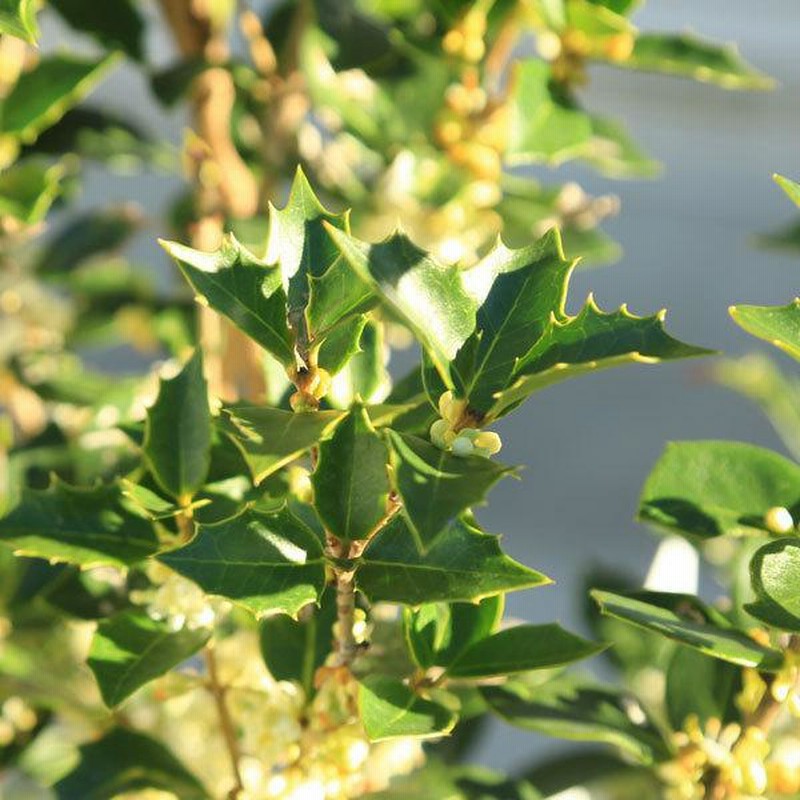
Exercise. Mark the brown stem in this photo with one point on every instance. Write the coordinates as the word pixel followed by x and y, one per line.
pixel 226 723
pixel 346 645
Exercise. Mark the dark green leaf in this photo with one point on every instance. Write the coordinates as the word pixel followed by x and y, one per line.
pixel 28 189
pixel 116 24
pixel 687 620
pixel 436 487
pixel 778 325
pixel 389 709
pixel 87 527
pixel 351 484
pixel 571 707
pixel 775 575
pixel 244 288
pixel 712 488
pixel 177 439
pixel 688 56
pixel 268 562
pixel 294 650
pixel 42 96
pixel 341 344
pixel 173 83
pixel 132 649
pixel 124 761
pixel 18 18
pixel 462 564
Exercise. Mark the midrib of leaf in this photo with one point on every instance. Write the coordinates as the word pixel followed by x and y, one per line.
pixel 141 659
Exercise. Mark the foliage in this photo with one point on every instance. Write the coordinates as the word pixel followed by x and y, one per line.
pixel 254 571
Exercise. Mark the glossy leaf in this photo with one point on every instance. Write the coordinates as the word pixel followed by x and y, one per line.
pixel 86 527
pixel 351 484
pixel 791 188
pixel 268 562
pixel 131 649
pixel 710 488
pixel 435 486
pixel 687 620
pixel 571 707
pixel 775 576
pixel 544 127
pixel 244 288
pixel 125 761
pixel 42 96
pixel 28 189
pixel 688 56
pixel 389 709
pixel 778 325
pixel 430 298
pixel 177 440
pixel 520 649
pixel 462 564
pixel 18 18
pixel 116 25
pixel 591 340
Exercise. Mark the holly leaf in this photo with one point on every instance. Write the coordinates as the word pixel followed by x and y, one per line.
pixel 572 707
pixel 270 438
pixel 544 126
pixel 116 25
pixel 527 287
pixel 462 564
pixel 294 649
pixel 520 649
pixel 687 620
pixel 709 488
pixel 791 188
pixel 87 527
pixel 132 649
pixel 688 56
pixel 775 577
pixel 245 289
pixel 341 345
pixel 428 297
pixel 177 441
pixel 591 340
pixel 125 761
pixel 28 189
pixel 351 484
pixel 778 325
pixel 268 562
pixel 612 152
pixel 18 18
pixel 435 486
pixel 42 96
pixel 389 710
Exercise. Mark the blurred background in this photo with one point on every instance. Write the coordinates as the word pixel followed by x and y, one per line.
pixel 689 245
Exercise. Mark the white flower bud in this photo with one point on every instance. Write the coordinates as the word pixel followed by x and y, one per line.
pixel 779 520
pixel 462 447
pixel 438 431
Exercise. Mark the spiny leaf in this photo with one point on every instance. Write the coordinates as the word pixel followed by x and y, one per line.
pixel 462 564
pixel 42 96
pixel 689 56
pixel 430 298
pixel 778 325
pixel 87 527
pixel 244 288
pixel 527 287
pixel 351 484
pixel 389 709
pixel 18 18
pixel 436 486
pixel 591 340
pixel 267 562
pixel 571 707
pixel 775 576
pixel 687 620
pixel 544 126
pixel 114 25
pixel 710 488
pixel 125 761
pixel 177 440
pixel 791 188
pixel 131 649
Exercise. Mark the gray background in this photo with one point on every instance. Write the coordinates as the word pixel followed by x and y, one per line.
pixel 687 241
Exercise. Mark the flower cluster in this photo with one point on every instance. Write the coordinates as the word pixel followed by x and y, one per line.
pixel 447 433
